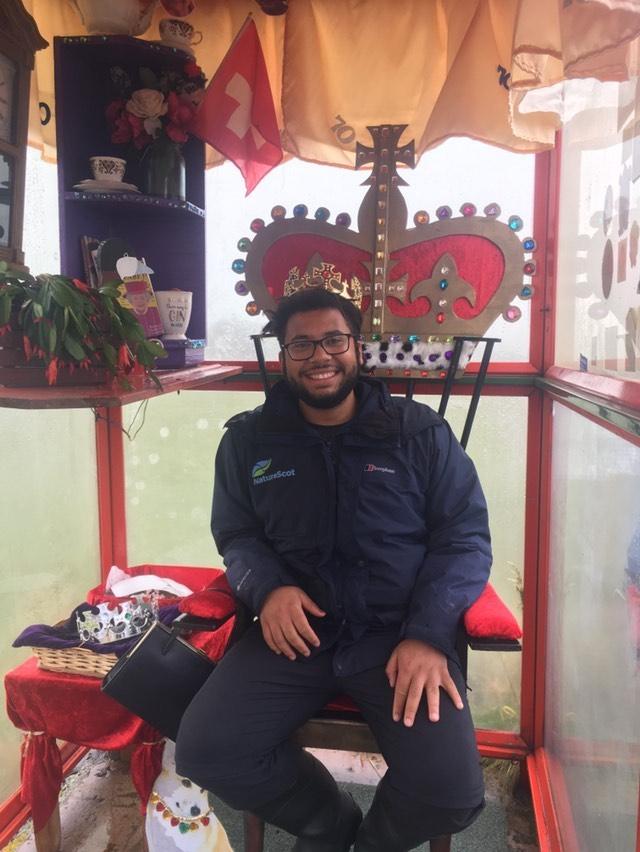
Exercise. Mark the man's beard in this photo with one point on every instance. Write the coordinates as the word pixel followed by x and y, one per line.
pixel 325 401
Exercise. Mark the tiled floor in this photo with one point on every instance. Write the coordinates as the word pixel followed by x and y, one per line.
pixel 100 809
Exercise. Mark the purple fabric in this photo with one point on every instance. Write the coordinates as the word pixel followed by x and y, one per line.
pixel 65 635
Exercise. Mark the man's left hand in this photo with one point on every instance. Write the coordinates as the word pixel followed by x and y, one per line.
pixel 415 668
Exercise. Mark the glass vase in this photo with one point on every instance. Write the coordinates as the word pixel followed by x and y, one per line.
pixel 164 169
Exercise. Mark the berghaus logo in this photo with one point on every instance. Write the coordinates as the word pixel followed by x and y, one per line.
pixel 260 468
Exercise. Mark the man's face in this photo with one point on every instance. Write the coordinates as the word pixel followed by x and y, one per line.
pixel 322 381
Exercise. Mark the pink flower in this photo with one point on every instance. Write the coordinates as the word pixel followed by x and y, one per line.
pixel 80 285
pixel 124 357
pixel 52 371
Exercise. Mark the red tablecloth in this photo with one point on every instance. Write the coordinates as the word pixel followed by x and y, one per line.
pixel 49 706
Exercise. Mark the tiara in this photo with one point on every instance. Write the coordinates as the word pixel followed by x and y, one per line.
pixel 326 276
pixel 417 286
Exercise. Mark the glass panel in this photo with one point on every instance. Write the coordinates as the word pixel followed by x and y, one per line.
pixel 483 174
pixel 49 534
pixel 498 447
pixel 592 694
pixel 6 190
pixel 598 307
pixel 169 480
pixel 41 244
pixel 169 475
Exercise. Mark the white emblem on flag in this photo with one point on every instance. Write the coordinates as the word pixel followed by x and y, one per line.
pixel 239 123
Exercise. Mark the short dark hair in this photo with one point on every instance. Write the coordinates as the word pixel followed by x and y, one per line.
pixel 312 299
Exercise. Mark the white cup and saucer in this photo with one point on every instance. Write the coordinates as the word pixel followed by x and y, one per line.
pixel 108 173
pixel 174 32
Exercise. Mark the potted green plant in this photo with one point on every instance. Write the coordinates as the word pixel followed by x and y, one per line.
pixel 62 325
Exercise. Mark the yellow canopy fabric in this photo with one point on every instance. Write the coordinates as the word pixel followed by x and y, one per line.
pixel 443 67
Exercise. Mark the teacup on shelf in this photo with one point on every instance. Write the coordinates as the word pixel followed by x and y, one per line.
pixel 107 168
pixel 178 33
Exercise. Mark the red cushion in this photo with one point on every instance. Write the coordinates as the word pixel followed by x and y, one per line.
pixel 489 617
pixel 216 601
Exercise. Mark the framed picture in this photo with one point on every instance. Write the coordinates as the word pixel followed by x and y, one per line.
pixel 89 247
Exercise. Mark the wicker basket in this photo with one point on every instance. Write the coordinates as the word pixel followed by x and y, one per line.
pixel 78 661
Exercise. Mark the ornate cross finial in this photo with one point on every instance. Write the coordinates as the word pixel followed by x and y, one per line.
pixel 385 153
pixel 382 205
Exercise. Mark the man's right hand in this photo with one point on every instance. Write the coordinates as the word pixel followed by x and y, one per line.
pixel 284 623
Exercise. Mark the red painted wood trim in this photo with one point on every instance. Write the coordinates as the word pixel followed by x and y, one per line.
pixel 544 811
pixel 501 744
pixel 541 599
pixel 14 814
pixel 562 802
pixel 105 528
pixel 118 490
pixel 111 489
pixel 544 232
pixel 548 252
pixel 532 512
pixel 638 823
pixel 623 392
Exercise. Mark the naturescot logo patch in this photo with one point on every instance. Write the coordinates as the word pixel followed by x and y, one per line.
pixel 260 468
pixel 371 468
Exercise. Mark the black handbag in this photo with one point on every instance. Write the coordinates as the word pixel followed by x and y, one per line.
pixel 160 675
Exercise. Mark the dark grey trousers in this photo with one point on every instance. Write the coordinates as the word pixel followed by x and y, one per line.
pixel 234 737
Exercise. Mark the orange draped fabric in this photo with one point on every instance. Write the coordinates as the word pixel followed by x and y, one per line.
pixel 444 67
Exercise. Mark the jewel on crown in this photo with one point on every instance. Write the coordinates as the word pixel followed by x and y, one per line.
pixel 327 276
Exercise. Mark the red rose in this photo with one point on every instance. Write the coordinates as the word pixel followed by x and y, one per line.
pixel 180 112
pixel 113 110
pixel 122 130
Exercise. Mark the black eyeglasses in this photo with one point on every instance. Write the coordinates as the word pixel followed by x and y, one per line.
pixel 333 344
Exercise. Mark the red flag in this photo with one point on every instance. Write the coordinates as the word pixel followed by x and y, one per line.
pixel 237 115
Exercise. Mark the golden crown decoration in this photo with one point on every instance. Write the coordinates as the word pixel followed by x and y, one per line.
pixel 416 287
pixel 323 275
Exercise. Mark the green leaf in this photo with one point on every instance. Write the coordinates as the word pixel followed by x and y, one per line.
pixel 148 79
pixel 53 339
pixel 5 308
pixel 74 348
pixel 63 294
pixel 37 310
pixel 110 354
pixel 3 266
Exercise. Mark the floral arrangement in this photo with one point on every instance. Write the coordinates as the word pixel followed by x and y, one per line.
pixel 65 325
pixel 161 106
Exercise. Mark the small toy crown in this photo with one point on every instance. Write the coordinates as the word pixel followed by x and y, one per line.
pixel 327 276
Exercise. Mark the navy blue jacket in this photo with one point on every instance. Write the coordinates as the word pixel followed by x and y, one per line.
pixel 385 527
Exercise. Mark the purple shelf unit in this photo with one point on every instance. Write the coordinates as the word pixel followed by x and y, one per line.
pixel 170 234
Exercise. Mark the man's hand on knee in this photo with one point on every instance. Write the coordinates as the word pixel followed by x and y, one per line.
pixel 284 623
pixel 415 668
